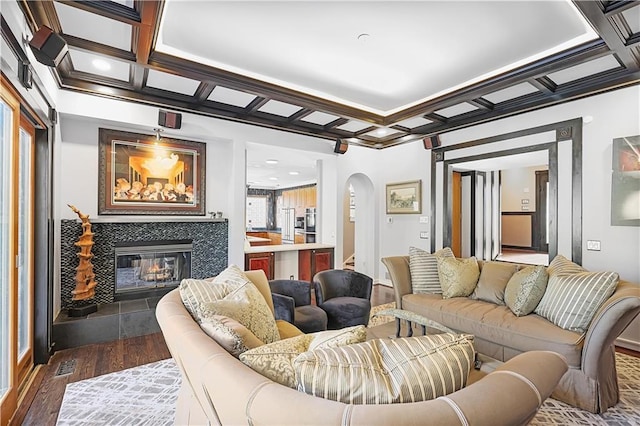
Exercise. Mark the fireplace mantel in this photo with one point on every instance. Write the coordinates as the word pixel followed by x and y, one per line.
pixel 151 219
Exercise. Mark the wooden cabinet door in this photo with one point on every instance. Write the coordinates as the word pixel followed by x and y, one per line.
pixel 286 199
pixel 311 262
pixel 264 261
pixel 311 197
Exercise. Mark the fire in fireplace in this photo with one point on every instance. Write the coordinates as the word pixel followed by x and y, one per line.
pixel 152 264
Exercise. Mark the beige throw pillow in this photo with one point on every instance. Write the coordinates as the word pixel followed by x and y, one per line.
pixel 458 277
pixel 525 289
pixel 572 300
pixel 424 269
pixel 494 277
pixel 562 265
pixel 196 292
pixel 275 360
pixel 230 334
pixel 384 371
pixel 245 304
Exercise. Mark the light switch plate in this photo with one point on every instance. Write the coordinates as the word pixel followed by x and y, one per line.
pixel 593 245
pixel 424 219
pixel 424 235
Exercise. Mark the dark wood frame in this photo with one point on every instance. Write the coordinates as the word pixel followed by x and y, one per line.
pixel 565 130
pixel 538 235
pixel 106 204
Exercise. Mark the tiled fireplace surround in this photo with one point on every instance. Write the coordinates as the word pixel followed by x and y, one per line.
pixel 127 318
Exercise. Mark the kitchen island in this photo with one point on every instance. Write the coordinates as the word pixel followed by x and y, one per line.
pixel 290 261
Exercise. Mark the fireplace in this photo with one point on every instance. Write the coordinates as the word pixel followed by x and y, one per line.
pixel 142 266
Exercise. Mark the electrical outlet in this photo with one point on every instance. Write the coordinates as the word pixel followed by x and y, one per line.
pixel 593 245
pixel 424 235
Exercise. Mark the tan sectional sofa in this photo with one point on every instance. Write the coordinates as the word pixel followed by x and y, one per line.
pixel 591 382
pixel 219 389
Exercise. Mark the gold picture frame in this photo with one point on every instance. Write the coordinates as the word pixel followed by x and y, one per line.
pixel 404 197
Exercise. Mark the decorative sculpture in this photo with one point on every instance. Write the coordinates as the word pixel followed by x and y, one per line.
pixel 85 278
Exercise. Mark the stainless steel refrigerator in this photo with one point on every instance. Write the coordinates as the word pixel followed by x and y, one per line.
pixel 288 226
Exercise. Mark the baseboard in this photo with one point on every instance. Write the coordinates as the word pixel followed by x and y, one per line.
pixel 629 344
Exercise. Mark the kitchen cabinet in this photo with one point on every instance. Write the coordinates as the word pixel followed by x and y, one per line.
pixel 264 261
pixel 299 239
pixel 310 262
pixel 276 238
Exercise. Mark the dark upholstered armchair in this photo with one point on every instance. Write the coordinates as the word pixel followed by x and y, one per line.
pixel 292 303
pixel 345 296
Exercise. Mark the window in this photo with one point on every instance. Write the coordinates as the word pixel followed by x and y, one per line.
pixel 256 212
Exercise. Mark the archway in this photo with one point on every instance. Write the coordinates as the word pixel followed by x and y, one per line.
pixel 364 223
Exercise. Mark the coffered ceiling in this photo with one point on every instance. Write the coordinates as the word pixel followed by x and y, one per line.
pixel 376 74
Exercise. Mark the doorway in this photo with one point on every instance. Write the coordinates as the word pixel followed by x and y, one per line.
pixel 363 223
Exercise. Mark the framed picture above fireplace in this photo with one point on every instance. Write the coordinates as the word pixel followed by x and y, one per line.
pixel 144 175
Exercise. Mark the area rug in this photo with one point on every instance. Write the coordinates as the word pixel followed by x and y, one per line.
pixel 146 395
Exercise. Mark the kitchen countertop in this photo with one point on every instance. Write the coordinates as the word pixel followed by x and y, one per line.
pixel 286 247
pixel 253 239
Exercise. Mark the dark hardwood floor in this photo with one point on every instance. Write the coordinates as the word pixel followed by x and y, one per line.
pixel 42 401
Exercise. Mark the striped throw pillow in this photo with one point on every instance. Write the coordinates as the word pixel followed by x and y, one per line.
pixel 384 371
pixel 194 293
pixel 572 300
pixel 424 269
pixel 561 265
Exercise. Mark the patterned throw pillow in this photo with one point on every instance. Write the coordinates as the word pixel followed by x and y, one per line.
pixel 572 300
pixel 494 277
pixel 247 306
pixel 525 289
pixel 458 277
pixel 562 265
pixel 230 334
pixel 424 269
pixel 196 292
pixel 384 371
pixel 275 360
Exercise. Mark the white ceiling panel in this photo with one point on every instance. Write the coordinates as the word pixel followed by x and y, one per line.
pixel 279 108
pixel 321 48
pixel 172 83
pixel 320 118
pixel 584 70
pixel 381 132
pixel 510 93
pixel 632 16
pixel 231 97
pixel 354 126
pixel 90 26
pixel 95 64
pixel 458 109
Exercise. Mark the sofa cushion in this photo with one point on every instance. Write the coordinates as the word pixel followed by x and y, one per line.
pixel 571 300
pixel 383 371
pixel 493 280
pixel 525 289
pixel 230 334
pixel 275 360
pixel 458 277
pixel 245 304
pixel 424 269
pixel 562 265
pixel 497 324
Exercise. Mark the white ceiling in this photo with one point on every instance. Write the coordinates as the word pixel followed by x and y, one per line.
pixel 407 52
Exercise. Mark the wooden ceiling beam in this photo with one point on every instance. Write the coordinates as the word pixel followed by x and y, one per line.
pixel 147 32
pixel 108 9
pixel 101 49
pixel 203 91
pixel 615 7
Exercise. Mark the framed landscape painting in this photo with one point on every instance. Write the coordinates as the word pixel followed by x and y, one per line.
pixel 143 175
pixel 404 197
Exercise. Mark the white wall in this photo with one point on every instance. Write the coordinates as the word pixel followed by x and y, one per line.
pixel 519 184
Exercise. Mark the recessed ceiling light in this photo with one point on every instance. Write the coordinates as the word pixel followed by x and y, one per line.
pixel 363 37
pixel 271 161
pixel 294 173
pixel 273 178
pixel 101 64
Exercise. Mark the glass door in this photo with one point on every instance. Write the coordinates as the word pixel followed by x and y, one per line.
pixel 16 250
